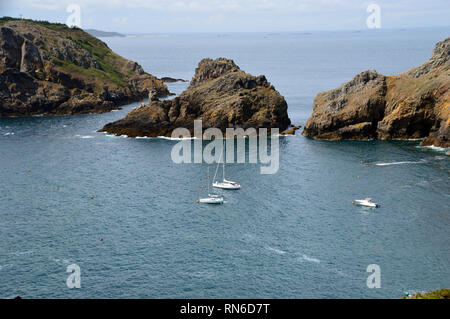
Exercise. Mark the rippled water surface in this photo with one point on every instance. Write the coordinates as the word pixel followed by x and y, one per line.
pixel 294 234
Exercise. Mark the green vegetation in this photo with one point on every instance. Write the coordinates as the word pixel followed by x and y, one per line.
pixel 72 67
pixel 50 25
pixel 103 55
pixel 109 62
pixel 437 294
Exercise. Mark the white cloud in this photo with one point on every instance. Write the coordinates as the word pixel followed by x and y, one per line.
pixel 233 14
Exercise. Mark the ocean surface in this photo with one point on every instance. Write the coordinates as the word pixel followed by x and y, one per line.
pixel 293 234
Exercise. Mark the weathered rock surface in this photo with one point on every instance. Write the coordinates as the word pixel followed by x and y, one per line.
pixel 414 104
pixel 220 94
pixel 168 79
pixel 52 69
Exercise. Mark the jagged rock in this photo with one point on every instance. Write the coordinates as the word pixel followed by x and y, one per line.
pixel 52 69
pixel 220 94
pixel 414 104
pixel 167 79
pixel 291 130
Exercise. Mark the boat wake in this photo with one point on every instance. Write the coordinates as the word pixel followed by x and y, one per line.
pixel 278 251
pixel 435 148
pixel 309 259
pixel 397 163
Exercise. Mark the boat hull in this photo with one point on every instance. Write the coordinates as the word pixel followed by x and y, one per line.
pixel 226 186
pixel 366 204
pixel 211 200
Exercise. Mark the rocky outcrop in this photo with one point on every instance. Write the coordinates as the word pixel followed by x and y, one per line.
pixel 220 94
pixel 411 105
pixel 53 69
pixel 167 79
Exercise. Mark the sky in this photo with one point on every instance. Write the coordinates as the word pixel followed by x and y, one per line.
pixel 165 16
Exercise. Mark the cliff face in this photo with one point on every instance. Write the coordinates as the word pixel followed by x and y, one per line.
pixel 52 69
pixel 220 94
pixel 414 104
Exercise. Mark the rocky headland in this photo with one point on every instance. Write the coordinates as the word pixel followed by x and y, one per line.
pixel 49 68
pixel 220 94
pixel 168 79
pixel 411 105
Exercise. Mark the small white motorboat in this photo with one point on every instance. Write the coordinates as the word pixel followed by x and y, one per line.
pixel 365 202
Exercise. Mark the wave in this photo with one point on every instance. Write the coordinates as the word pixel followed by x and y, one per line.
pixel 8 133
pixel 435 148
pixel 84 136
pixel 397 163
pixel 310 259
pixel 177 138
pixel 5 266
pixel 21 253
pixel 278 251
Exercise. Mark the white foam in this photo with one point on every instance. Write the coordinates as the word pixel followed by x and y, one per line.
pixel 177 138
pixel 278 251
pixel 8 133
pixel 21 253
pixel 310 259
pixel 84 136
pixel 397 163
pixel 435 148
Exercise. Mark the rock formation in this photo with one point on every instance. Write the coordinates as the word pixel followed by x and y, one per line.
pixel 167 79
pixel 50 68
pixel 414 104
pixel 220 94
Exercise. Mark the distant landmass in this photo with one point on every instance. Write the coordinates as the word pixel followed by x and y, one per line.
pixel 103 34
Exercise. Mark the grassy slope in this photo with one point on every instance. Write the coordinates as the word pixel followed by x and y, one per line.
pixel 437 294
pixel 110 62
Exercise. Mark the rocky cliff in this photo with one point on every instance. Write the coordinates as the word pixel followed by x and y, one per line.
pixel 220 94
pixel 414 104
pixel 50 68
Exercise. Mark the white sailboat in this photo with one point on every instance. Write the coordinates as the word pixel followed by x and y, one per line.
pixel 212 198
pixel 224 184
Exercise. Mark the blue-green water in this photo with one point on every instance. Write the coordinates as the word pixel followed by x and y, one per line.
pixel 294 234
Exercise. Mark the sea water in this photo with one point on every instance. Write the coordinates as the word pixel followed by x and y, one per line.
pixel 293 234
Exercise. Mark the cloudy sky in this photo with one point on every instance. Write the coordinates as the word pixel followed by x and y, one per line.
pixel 155 16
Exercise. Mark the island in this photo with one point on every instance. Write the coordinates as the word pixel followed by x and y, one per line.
pixel 220 94
pixel 411 105
pixel 49 68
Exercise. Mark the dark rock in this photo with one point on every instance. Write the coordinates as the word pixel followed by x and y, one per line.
pixel 220 94
pixel 65 71
pixel 414 104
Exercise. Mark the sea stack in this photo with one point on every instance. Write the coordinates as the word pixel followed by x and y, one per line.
pixel 411 105
pixel 220 94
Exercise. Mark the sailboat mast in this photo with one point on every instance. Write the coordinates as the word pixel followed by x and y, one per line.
pixel 223 170
pixel 208 182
